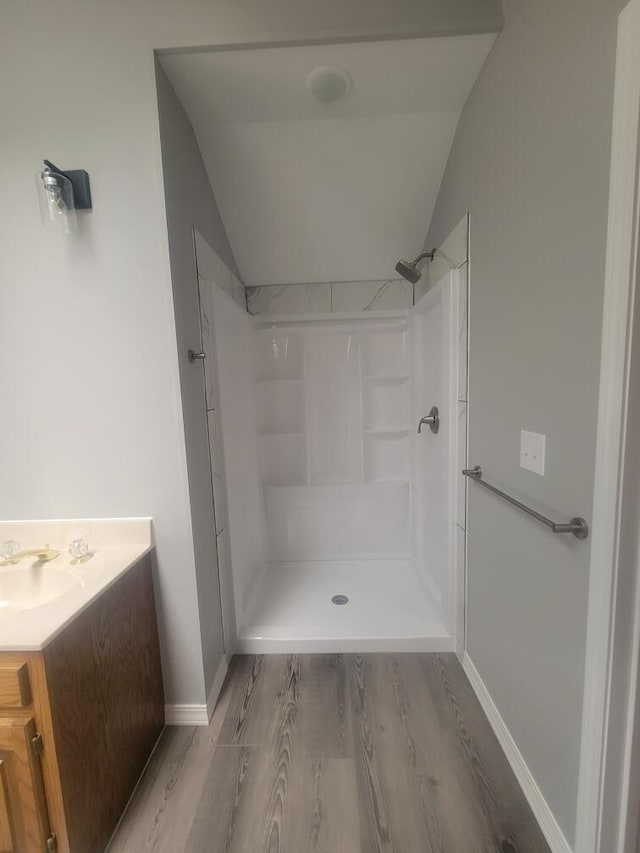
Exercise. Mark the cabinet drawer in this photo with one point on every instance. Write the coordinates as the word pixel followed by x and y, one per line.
pixel 15 690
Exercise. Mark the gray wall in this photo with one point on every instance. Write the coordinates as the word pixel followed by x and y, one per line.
pixel 92 317
pixel 190 202
pixel 530 161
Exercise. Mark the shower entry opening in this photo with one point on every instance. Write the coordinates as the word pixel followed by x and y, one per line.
pixel 328 489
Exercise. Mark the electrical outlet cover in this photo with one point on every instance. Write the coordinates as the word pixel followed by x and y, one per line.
pixel 532 451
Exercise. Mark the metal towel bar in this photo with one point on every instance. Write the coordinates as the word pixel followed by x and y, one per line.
pixel 577 526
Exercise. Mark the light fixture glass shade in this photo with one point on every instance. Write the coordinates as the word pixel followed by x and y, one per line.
pixel 55 194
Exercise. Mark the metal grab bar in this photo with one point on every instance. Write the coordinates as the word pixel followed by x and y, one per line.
pixel 577 526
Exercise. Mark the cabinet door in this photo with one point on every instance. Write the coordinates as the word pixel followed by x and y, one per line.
pixel 24 825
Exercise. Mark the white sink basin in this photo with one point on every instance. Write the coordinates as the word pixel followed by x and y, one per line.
pixel 32 586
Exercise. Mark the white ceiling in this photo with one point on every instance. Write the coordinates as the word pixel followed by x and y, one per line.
pixel 312 192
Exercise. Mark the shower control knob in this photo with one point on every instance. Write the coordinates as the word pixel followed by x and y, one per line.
pixel 432 420
pixel 196 356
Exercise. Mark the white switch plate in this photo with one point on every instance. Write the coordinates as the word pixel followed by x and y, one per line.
pixel 532 451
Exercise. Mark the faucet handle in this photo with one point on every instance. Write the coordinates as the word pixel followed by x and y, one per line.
pixel 8 551
pixel 79 550
pixel 432 420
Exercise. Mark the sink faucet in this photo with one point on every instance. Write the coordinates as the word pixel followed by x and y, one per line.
pixel 43 554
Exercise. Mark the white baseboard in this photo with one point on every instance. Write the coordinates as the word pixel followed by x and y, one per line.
pixel 198 715
pixel 539 806
pixel 186 715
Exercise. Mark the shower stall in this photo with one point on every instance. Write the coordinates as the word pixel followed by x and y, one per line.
pixel 340 526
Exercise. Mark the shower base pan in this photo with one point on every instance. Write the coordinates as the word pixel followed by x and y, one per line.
pixel 388 610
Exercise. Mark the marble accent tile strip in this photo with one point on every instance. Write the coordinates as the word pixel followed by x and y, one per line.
pixel 330 297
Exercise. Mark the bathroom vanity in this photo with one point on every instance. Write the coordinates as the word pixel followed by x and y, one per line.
pixel 81 699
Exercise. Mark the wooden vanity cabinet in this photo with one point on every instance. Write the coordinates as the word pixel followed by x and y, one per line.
pixel 78 721
pixel 24 822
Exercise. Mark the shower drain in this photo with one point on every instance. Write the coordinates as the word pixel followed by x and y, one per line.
pixel 339 599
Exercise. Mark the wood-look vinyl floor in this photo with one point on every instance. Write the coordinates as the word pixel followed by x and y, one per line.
pixel 375 753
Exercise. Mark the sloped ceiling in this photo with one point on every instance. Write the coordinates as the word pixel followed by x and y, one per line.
pixel 311 192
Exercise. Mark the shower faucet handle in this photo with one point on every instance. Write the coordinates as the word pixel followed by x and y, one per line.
pixel 432 420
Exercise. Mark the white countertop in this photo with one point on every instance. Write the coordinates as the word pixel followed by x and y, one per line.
pixel 115 545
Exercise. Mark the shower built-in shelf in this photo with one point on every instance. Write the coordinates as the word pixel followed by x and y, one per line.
pixel 385 398
pixel 385 403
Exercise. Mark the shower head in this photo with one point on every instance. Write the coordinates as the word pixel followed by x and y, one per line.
pixel 409 269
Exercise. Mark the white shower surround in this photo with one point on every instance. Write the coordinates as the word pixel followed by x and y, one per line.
pixel 315 419
pixel 335 473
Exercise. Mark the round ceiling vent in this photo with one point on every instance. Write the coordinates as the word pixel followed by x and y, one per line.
pixel 329 84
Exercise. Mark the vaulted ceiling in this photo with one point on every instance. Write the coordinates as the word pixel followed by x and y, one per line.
pixel 314 192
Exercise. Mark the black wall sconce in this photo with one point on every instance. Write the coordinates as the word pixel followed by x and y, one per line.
pixel 60 194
